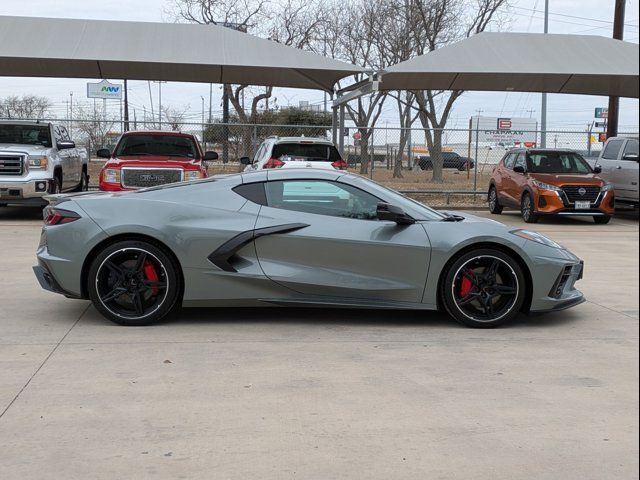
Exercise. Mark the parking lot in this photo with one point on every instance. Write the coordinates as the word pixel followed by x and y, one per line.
pixel 322 394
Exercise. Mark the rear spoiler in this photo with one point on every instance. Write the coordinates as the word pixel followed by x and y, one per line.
pixel 56 199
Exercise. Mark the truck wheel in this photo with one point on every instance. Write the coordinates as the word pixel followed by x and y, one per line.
pixel 56 186
pixel 83 186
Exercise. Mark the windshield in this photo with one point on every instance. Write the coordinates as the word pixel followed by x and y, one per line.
pixel 26 134
pixel 162 145
pixel 557 162
pixel 308 152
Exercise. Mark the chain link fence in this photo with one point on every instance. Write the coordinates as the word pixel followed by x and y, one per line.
pixel 456 173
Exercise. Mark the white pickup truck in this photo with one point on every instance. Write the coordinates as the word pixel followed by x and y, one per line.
pixel 38 158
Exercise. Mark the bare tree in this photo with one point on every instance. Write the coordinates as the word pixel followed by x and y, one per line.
pixel 352 36
pixel 27 107
pixel 174 116
pixel 435 23
pixel 291 22
pixel 96 127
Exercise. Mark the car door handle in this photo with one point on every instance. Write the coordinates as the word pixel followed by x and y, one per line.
pixel 618 167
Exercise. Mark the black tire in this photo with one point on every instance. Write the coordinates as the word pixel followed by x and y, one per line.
pixel 123 289
pixel 56 186
pixel 528 209
pixel 83 186
pixel 602 220
pixel 475 307
pixel 494 202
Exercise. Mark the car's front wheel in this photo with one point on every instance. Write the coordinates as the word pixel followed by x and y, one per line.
pixel 134 283
pixel 528 209
pixel 494 203
pixel 484 288
pixel 602 219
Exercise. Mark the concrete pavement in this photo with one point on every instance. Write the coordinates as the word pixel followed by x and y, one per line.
pixel 322 394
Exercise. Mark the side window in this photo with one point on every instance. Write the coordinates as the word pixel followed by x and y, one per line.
pixel 612 149
pixel 631 148
pixel 322 198
pixel 509 160
pixel 64 133
pixel 57 133
pixel 521 161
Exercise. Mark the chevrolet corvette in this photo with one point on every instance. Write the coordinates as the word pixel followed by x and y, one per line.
pixel 294 237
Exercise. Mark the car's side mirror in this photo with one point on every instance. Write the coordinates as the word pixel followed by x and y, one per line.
pixel 65 144
pixel 245 160
pixel 630 156
pixel 103 153
pixel 208 156
pixel 597 169
pixel 519 169
pixel 386 211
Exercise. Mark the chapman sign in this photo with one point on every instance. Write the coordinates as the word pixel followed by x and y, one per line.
pixel 516 131
pixel 105 90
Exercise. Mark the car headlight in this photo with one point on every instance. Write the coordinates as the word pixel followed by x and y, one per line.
pixel 192 175
pixel 111 175
pixel 607 187
pixel 38 162
pixel 545 186
pixel 537 237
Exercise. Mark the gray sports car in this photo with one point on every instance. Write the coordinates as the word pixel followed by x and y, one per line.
pixel 291 238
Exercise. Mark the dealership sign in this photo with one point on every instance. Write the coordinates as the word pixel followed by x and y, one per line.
pixel 602 112
pixel 104 89
pixel 492 130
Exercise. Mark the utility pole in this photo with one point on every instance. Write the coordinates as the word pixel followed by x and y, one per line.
pixel 126 107
pixel 543 110
pixel 614 102
pixel 150 101
pixel 159 82
pixel 203 121
pixel 210 99
pixel 71 114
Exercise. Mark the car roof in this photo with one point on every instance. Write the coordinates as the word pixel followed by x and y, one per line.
pixel 23 122
pixel 301 140
pixel 157 132
pixel 543 150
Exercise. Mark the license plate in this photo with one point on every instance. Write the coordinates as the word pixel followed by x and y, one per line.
pixel 583 205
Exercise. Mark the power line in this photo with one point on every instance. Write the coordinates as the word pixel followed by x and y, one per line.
pixel 610 22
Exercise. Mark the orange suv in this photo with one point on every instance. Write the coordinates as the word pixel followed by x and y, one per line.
pixel 549 182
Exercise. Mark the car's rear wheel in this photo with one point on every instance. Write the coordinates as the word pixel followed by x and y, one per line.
pixel 602 219
pixel 494 203
pixel 528 210
pixel 484 288
pixel 134 283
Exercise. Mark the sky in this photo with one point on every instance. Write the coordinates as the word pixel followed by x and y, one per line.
pixel 565 112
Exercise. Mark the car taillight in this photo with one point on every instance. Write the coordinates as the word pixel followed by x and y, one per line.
pixel 339 164
pixel 56 216
pixel 273 163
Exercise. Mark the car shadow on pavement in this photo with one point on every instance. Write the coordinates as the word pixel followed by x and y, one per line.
pixel 20 213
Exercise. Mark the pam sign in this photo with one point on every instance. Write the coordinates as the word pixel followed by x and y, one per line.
pixel 104 89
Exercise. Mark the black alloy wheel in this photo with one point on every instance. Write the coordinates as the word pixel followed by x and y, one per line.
pixel 133 283
pixel 484 288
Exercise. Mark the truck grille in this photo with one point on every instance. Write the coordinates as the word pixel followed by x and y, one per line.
pixel 149 177
pixel 11 164
pixel 581 193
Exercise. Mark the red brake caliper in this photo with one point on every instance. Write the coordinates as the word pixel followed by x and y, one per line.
pixel 466 285
pixel 151 274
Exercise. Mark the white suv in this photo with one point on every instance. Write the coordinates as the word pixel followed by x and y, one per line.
pixel 295 152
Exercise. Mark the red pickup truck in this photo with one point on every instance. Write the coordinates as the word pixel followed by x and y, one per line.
pixel 146 159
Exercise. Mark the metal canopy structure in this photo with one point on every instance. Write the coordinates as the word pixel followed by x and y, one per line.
pixel 523 62
pixel 54 47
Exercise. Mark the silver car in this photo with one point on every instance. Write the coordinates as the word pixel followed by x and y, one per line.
pixel 619 163
pixel 294 237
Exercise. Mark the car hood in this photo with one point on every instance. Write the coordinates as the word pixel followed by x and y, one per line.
pixel 155 161
pixel 20 148
pixel 560 179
